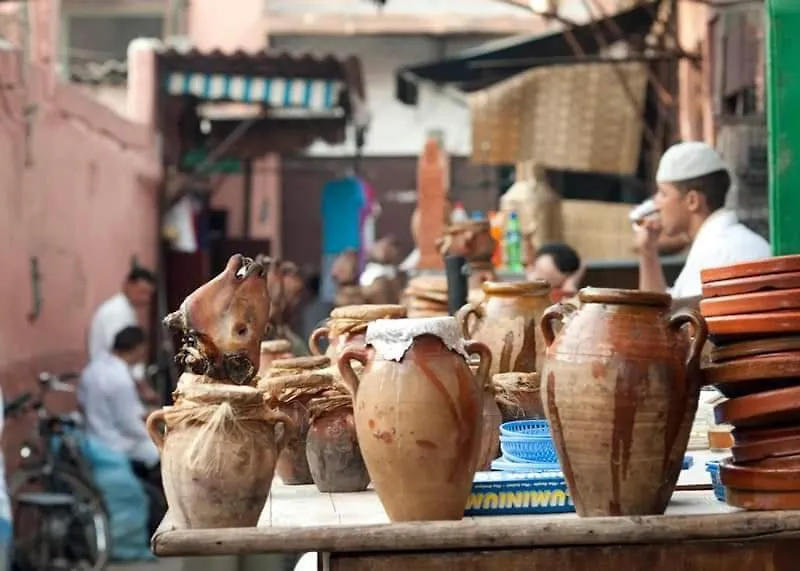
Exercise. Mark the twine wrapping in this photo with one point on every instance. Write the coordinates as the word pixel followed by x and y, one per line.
pixel 224 420
pixel 296 366
pixel 287 388
pixel 331 401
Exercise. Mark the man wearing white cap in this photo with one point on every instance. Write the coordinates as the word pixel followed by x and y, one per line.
pixel 693 182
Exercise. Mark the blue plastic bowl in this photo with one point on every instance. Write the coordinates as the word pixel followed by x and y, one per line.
pixel 530 428
pixel 523 448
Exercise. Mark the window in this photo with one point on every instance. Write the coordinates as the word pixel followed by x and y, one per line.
pixel 91 40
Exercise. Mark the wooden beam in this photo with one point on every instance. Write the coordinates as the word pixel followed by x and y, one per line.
pixel 326 24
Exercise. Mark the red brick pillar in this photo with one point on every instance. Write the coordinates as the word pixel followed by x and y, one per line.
pixel 433 181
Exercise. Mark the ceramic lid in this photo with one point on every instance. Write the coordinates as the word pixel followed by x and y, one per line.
pixel 301 363
pixel 276 346
pixel 218 392
pixel 368 312
pixel 777 265
pixel 391 338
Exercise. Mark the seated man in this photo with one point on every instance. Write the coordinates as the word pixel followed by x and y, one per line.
pixel 114 413
pixel 559 265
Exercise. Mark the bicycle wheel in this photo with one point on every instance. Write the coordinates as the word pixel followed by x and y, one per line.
pixel 87 542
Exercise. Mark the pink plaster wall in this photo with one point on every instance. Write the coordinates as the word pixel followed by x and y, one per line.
pixel 83 201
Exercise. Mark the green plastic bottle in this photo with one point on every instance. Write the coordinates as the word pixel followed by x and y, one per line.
pixel 513 243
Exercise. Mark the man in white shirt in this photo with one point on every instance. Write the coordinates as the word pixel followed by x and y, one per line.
pixel 113 410
pixel 119 311
pixel 693 182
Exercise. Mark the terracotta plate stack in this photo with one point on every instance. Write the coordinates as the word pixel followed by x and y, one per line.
pixel 426 296
pixel 753 315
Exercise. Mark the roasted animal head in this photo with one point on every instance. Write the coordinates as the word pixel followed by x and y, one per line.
pixel 223 322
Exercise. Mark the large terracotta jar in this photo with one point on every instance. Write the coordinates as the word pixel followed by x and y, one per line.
pixel 508 322
pixel 418 414
pixel 289 385
pixel 620 387
pixel 218 455
pixel 348 324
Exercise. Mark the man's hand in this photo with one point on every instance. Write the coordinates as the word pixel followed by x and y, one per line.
pixel 646 236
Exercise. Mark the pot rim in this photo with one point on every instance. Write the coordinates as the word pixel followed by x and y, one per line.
pixel 276 346
pixel 528 287
pixel 624 297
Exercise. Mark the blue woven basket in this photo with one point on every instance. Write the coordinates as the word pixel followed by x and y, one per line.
pixel 523 448
pixel 533 428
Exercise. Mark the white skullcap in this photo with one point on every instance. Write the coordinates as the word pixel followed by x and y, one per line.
pixel 688 160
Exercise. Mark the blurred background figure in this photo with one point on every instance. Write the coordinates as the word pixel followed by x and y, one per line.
pixel 559 265
pixel 380 280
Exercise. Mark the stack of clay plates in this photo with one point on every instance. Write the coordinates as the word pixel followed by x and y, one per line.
pixel 426 296
pixel 753 316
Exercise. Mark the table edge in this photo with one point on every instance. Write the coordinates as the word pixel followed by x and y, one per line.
pixel 502 533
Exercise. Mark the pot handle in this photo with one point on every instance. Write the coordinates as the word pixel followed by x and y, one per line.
pixel 313 339
pixel 156 418
pixel 557 311
pixel 289 431
pixel 682 317
pixel 485 363
pixel 349 377
pixel 463 315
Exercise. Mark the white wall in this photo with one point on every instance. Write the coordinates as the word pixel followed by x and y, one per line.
pixel 396 129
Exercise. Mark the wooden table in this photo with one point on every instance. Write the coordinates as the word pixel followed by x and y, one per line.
pixel 352 533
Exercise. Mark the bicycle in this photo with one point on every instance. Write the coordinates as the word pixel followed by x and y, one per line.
pixel 72 532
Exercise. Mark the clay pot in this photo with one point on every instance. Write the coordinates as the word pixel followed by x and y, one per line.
pixel 272 350
pixel 218 455
pixel 471 239
pixel 759 302
pixel 332 446
pixel 508 322
pixel 348 324
pixel 490 430
pixel 291 394
pixel 620 386
pixel 418 414
pixel 518 396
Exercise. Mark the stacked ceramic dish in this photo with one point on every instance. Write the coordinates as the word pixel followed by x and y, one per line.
pixel 753 316
pixel 426 296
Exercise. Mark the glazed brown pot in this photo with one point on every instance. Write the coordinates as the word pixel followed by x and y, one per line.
pixel 620 386
pixel 418 415
pixel 218 455
pixel 508 322
pixel 332 446
pixel 291 394
pixel 518 395
pixel 348 324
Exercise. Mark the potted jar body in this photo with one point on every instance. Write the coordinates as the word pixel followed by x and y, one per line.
pixel 620 386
